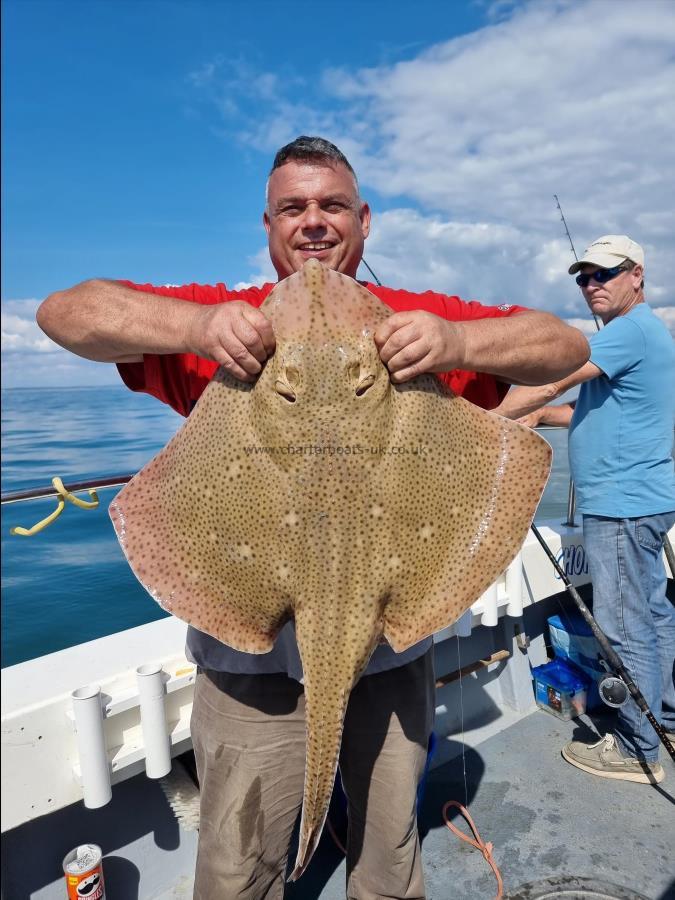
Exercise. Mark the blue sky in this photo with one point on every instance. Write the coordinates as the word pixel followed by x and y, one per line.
pixel 137 136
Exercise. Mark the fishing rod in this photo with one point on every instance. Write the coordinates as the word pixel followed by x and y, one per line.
pixel 567 231
pixel 574 252
pixel 612 689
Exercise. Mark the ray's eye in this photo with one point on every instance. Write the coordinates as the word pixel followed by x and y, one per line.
pixel 292 375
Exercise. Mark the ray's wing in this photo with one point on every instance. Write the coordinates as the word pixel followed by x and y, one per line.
pixel 461 499
pixel 192 524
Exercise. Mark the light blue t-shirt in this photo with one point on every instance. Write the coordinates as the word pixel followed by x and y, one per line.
pixel 621 433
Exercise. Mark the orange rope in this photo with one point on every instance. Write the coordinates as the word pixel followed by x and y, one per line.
pixel 485 849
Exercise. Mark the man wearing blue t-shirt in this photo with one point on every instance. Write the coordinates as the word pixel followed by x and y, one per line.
pixel 620 449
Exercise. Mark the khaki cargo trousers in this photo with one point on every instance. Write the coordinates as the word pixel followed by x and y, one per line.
pixel 248 733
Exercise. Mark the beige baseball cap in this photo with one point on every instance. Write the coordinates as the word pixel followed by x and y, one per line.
pixel 609 251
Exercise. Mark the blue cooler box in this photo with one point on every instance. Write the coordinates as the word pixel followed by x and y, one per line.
pixel 561 689
pixel 572 640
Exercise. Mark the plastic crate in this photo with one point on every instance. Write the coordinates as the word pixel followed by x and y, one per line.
pixel 573 641
pixel 560 689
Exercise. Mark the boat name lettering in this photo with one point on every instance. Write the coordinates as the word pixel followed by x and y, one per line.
pixel 573 560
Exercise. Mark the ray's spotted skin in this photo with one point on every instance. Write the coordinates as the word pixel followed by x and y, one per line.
pixel 324 493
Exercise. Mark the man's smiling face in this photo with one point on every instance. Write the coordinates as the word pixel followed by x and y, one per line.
pixel 314 211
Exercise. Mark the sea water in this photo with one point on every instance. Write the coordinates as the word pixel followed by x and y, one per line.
pixel 70 583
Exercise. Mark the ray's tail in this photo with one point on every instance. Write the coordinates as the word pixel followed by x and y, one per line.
pixel 324 733
pixel 329 675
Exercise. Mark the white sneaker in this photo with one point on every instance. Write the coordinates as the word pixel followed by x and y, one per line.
pixel 605 759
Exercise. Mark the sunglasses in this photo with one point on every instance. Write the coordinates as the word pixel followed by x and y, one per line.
pixel 602 276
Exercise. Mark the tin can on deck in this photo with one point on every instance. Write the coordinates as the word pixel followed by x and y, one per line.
pixel 83 869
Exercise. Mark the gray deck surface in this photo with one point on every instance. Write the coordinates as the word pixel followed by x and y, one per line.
pixel 544 817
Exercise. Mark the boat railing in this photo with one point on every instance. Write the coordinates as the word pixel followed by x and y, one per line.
pixel 107 729
pixel 36 493
pixel 133 712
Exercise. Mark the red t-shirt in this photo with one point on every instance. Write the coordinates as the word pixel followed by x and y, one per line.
pixel 179 378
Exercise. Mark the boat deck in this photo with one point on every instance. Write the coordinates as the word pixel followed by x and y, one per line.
pixel 544 817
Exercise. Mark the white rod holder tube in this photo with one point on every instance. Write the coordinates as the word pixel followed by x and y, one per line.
pixel 153 721
pixel 463 625
pixel 94 765
pixel 489 604
pixel 514 587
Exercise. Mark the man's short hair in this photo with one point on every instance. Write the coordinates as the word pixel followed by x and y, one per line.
pixel 312 149
pixel 630 265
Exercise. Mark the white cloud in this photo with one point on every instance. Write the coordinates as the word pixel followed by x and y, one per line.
pixel 31 359
pixel 409 249
pixel 466 144
pixel 471 139
pixel 489 126
pixel 20 331
pixel 21 334
pixel 262 270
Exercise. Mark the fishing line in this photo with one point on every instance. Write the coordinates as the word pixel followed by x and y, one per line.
pixel 478 843
pixel 461 720
pixel 377 280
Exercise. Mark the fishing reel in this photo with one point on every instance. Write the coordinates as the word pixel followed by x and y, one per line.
pixel 612 689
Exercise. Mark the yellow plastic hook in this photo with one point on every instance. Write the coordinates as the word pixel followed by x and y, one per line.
pixel 83 504
pixel 63 495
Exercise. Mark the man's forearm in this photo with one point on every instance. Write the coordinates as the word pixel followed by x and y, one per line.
pixel 520 401
pixel 559 415
pixel 109 322
pixel 530 348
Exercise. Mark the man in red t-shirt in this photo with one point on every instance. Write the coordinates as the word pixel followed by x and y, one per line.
pixel 248 711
